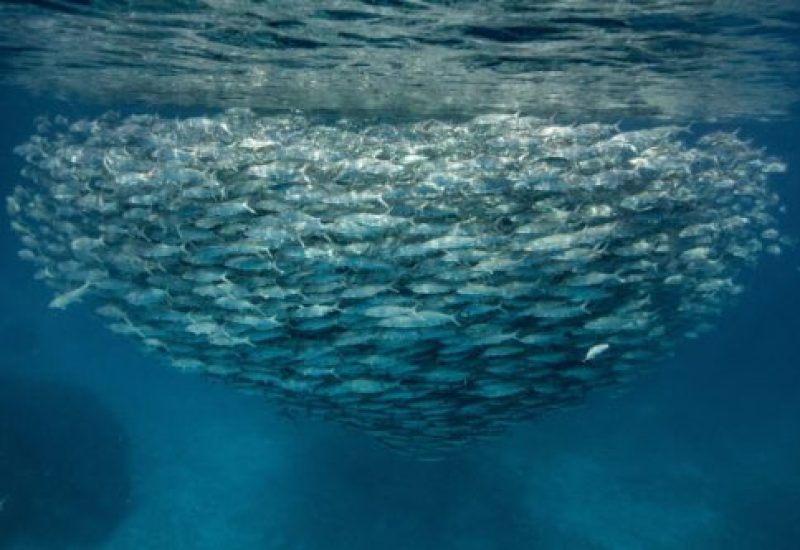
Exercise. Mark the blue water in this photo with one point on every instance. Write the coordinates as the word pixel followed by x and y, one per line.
pixel 101 446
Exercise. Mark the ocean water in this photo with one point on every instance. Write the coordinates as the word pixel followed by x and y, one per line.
pixel 104 446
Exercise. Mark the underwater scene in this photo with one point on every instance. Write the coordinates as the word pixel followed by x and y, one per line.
pixel 399 274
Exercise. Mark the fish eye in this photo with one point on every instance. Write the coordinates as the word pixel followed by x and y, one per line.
pixel 505 224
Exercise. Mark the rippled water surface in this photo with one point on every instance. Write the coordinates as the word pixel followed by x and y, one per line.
pixel 681 60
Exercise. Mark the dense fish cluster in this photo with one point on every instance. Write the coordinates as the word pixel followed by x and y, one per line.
pixel 687 60
pixel 428 282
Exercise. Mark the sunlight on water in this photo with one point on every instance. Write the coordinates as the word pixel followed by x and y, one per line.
pixel 587 60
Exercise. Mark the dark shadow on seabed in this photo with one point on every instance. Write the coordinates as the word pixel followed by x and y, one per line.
pixel 64 475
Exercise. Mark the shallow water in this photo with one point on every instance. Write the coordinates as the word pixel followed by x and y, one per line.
pixel 102 446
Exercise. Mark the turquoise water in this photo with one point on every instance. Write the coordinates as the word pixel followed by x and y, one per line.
pixel 103 446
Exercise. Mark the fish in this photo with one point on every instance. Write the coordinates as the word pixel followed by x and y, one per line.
pixel 61 301
pixel 424 288
pixel 595 351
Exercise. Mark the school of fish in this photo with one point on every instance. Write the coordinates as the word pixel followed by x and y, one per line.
pixel 429 283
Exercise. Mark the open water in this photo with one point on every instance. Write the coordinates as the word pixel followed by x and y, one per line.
pixel 104 446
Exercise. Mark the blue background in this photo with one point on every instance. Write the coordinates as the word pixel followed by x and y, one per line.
pixel 104 446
